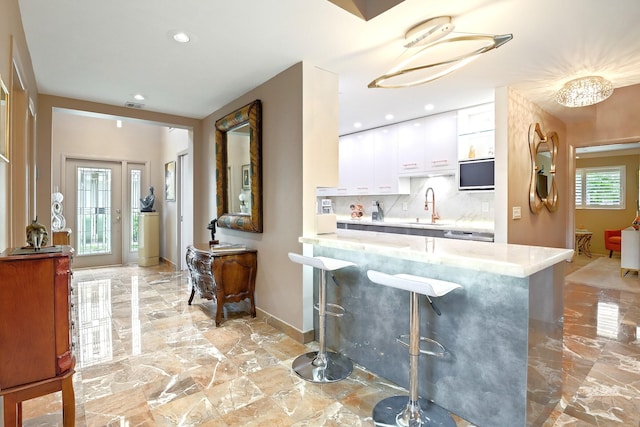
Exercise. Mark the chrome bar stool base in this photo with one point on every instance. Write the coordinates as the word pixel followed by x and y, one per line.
pixel 397 411
pixel 322 366
pixel 311 368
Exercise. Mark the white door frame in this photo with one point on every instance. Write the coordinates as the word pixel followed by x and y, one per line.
pixel 185 206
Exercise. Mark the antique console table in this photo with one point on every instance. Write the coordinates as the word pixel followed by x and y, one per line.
pixel 223 274
pixel 35 329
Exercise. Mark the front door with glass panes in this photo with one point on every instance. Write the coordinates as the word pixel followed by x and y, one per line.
pixel 94 211
pixel 102 210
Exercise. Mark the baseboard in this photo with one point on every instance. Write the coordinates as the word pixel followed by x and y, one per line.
pixel 166 261
pixel 282 326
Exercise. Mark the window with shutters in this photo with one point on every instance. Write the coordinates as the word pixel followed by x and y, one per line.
pixel 600 188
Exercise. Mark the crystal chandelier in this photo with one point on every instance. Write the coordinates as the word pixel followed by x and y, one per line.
pixel 584 91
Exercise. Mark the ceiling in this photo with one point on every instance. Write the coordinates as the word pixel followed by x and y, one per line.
pixel 107 51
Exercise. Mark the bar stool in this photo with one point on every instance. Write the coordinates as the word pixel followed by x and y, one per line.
pixel 413 410
pixel 322 366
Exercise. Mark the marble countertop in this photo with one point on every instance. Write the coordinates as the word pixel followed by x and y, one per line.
pixel 497 258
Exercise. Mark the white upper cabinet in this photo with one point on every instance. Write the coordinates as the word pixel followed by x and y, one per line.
pixel 428 145
pixel 367 165
pixel 442 143
pixel 385 159
pixel 355 164
pixel 411 146
pixel 476 132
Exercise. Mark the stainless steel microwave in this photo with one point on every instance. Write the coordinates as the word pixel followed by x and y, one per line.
pixel 476 174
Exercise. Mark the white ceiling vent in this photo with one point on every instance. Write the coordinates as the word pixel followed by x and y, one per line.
pixel 130 104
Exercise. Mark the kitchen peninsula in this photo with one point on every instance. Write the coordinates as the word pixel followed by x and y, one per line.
pixel 503 330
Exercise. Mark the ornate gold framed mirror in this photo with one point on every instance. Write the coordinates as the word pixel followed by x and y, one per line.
pixel 543 150
pixel 239 169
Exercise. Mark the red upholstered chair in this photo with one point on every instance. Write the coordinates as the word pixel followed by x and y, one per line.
pixel 612 240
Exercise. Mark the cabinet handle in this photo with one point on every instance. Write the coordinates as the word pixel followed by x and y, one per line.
pixel 440 162
pixel 409 165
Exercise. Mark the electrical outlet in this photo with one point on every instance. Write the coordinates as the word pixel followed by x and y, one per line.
pixel 517 212
pixel 405 206
pixel 485 206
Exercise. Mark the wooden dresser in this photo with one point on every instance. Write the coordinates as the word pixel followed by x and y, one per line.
pixel 35 329
pixel 222 276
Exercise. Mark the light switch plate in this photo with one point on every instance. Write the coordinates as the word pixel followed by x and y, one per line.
pixel 405 206
pixel 485 206
pixel 517 212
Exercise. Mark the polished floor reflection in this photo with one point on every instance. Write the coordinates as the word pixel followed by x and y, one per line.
pixel 146 358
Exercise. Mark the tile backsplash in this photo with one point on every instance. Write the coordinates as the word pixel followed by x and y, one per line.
pixel 460 207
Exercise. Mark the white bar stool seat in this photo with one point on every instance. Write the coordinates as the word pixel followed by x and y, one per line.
pixel 413 410
pixel 322 366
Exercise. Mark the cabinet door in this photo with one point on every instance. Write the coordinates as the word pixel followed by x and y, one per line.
pixel 411 147
pixel 356 164
pixel 476 136
pixel 27 321
pixel 442 143
pixel 479 145
pixel 385 159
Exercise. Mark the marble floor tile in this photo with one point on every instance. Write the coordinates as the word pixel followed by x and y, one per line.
pixel 148 358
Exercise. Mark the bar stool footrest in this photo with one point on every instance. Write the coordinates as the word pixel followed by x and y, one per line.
pixel 339 310
pixel 440 352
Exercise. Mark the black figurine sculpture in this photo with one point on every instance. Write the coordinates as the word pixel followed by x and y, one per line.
pixel 212 227
pixel 146 204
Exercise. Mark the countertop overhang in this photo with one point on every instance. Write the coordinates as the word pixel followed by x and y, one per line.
pixel 498 258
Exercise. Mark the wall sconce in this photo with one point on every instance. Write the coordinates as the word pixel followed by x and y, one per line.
pixel 440 56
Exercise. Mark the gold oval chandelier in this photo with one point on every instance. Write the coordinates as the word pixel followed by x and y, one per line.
pixel 455 52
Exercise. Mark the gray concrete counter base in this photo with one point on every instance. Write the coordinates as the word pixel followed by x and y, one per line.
pixel 503 334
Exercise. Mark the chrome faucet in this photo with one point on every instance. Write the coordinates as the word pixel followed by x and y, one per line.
pixel 434 214
pixel 380 211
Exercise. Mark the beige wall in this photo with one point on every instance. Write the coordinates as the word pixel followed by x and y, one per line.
pixel 14 193
pixel 544 228
pixel 296 126
pixel 598 220
pixel 615 120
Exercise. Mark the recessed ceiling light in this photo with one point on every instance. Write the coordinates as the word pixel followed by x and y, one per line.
pixel 429 107
pixel 138 97
pixel 118 123
pixel 389 117
pixel 357 125
pixel 181 37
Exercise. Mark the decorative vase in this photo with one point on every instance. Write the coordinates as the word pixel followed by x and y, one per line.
pixel 636 222
pixel 37 235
